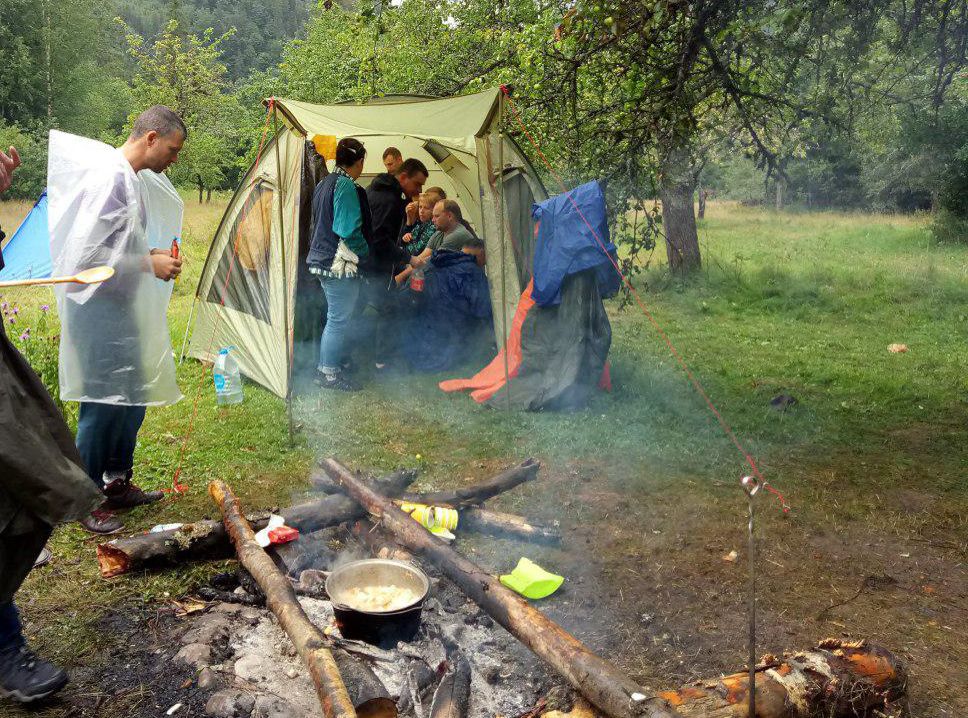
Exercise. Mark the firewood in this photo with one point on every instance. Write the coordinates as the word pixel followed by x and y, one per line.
pixel 375 539
pixel 455 498
pixel 205 540
pixel 600 681
pixel 453 693
pixel 345 687
pixel 496 523
pixel 837 678
pixel 479 493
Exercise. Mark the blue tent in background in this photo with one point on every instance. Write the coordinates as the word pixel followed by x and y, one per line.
pixel 27 254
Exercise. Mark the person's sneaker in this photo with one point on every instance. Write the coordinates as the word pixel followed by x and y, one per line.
pixel 26 677
pixel 101 521
pixel 123 494
pixel 339 382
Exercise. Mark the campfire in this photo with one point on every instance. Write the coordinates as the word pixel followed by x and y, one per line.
pixel 369 613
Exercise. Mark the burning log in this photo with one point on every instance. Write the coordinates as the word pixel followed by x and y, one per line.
pixel 345 687
pixel 601 682
pixel 496 523
pixel 836 679
pixel 206 539
pixel 454 692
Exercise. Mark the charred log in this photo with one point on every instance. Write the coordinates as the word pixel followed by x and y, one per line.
pixel 456 498
pixel 479 493
pixel 453 694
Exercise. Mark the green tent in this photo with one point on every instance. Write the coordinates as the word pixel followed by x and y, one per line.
pixel 247 295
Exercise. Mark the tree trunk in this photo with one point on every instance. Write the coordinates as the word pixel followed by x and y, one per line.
pixel 208 195
pixel 201 188
pixel 780 188
pixel 676 189
pixel 598 680
pixel 701 214
pixel 281 600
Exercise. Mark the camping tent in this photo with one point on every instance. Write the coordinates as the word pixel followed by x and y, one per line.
pixel 247 294
pixel 27 253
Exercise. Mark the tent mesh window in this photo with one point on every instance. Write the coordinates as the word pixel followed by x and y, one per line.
pixel 518 199
pixel 242 279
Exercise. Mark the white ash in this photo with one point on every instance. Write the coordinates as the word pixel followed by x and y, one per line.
pixel 506 679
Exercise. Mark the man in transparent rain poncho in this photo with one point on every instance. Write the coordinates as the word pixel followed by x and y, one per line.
pixel 112 207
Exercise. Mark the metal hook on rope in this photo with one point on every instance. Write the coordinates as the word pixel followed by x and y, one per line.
pixel 751 486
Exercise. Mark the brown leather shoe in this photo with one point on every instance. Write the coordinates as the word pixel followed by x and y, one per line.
pixel 101 521
pixel 122 494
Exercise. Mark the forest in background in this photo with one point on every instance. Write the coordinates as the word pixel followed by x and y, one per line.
pixel 821 104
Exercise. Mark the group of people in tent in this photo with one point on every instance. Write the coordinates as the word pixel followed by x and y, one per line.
pixel 403 251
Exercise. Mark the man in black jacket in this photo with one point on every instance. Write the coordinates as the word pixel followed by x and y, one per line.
pixel 42 483
pixel 388 195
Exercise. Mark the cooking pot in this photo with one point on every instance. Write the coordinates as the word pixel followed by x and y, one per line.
pixel 380 628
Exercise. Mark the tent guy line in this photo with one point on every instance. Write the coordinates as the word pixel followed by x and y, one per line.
pixel 176 486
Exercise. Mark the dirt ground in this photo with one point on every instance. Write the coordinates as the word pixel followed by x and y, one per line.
pixel 648 587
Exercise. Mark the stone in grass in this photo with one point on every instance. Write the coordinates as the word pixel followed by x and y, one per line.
pixel 273 707
pixel 782 402
pixel 196 655
pixel 230 704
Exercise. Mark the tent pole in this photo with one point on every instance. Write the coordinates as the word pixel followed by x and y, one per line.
pixel 504 284
pixel 285 282
pixel 188 328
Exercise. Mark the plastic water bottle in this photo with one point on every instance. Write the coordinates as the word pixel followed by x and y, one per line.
pixel 228 380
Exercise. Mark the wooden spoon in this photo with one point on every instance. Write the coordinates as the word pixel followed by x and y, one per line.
pixel 94 275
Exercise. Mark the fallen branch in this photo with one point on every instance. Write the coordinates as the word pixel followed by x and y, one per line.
pixel 496 523
pixel 600 681
pixel 456 498
pixel 206 540
pixel 309 642
pixel 479 493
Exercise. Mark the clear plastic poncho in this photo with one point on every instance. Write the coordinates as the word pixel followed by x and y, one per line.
pixel 115 347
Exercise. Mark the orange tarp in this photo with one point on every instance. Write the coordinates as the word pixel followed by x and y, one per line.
pixel 489 380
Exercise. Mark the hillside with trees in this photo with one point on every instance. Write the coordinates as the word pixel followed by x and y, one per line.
pixel 817 104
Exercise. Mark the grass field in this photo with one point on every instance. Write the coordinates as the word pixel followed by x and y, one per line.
pixel 872 456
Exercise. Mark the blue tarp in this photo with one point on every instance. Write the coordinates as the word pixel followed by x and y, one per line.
pixel 27 254
pixel 566 246
pixel 450 315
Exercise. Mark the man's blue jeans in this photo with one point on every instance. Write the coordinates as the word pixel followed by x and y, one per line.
pixel 341 295
pixel 11 631
pixel 106 437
